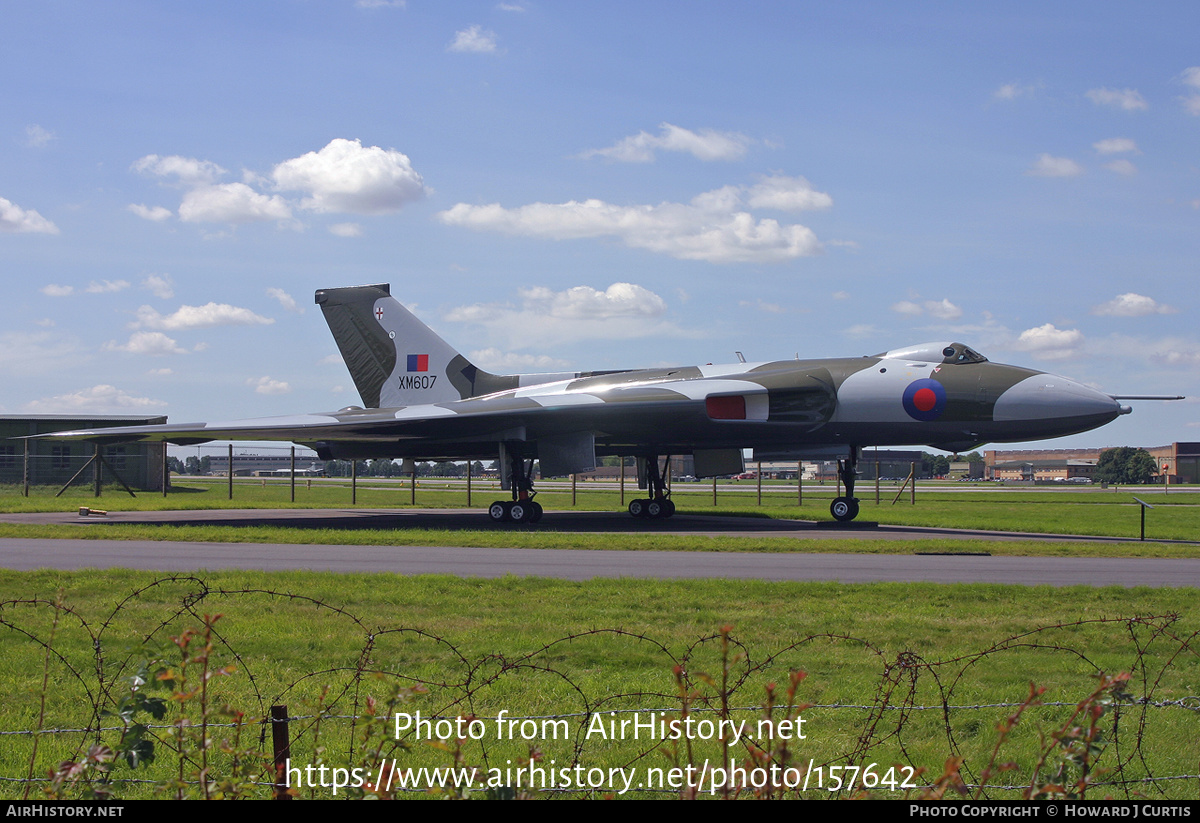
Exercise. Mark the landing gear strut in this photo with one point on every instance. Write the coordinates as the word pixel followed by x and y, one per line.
pixel 522 508
pixel 845 509
pixel 659 504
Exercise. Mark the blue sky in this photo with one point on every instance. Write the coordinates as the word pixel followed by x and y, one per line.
pixel 574 186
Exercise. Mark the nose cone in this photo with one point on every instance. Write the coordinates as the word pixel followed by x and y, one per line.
pixel 1049 403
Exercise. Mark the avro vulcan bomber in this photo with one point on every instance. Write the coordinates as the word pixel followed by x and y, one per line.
pixel 425 401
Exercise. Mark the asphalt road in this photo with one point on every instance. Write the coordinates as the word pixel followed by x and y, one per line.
pixel 576 564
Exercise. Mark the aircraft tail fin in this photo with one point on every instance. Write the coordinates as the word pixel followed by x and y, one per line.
pixel 394 358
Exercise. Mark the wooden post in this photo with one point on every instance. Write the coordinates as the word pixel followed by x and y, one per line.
pixel 412 487
pixel 166 471
pixel 912 492
pixel 572 488
pixel 293 474
pixel 876 482
pixel 97 471
pixel 353 482
pixel 714 490
pixel 622 481
pixel 230 471
pixel 468 484
pixel 282 747
pixel 758 475
pixel 25 473
pixel 799 482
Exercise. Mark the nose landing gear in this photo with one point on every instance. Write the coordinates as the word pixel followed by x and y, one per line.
pixel 845 509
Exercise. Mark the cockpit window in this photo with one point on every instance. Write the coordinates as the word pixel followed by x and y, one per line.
pixel 948 354
pixel 958 353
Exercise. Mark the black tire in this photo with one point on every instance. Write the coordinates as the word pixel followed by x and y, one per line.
pixel 668 508
pixel 655 509
pixel 500 511
pixel 638 507
pixel 519 511
pixel 535 511
pixel 844 509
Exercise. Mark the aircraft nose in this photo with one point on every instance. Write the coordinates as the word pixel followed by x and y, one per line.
pixel 1048 396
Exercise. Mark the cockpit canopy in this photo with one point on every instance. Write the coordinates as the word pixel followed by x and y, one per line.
pixel 949 354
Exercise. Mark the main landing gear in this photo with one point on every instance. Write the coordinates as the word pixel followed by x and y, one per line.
pixel 845 509
pixel 659 504
pixel 522 508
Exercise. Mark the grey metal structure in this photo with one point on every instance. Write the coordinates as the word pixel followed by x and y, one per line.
pixel 424 400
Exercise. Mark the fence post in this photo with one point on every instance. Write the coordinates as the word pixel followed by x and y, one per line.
pixel 622 481
pixel 230 471
pixel 468 484
pixel 282 747
pixel 97 470
pixel 353 482
pixel 799 482
pixel 758 474
pixel 293 474
pixel 876 482
pixel 412 487
pixel 912 492
pixel 573 476
pixel 25 473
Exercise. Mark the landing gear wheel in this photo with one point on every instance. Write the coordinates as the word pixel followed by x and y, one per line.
pixel 638 507
pixel 844 509
pixel 520 511
pixel 535 511
pixel 668 508
pixel 500 511
pixel 655 509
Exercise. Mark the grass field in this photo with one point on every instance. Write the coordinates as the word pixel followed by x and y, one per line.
pixel 1176 515
pixel 897 674
pixel 944 656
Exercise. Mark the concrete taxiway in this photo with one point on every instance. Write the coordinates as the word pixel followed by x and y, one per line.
pixel 172 556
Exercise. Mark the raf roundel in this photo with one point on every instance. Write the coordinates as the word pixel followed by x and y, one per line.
pixel 925 400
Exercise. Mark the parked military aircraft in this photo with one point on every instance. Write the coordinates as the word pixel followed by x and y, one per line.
pixel 424 400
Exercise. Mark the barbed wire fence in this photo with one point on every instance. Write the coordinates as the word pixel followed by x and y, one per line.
pixel 917 713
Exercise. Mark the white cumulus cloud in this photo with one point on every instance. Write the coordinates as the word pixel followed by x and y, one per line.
pixel 1125 99
pixel 346 230
pixel 198 317
pixel 1049 166
pixel 153 343
pixel 474 39
pixel 345 176
pixel 1050 343
pixel 285 300
pixel 1115 145
pixel 712 227
pixel 99 399
pixel 187 170
pixel 106 286
pixel 16 220
pixel 55 290
pixel 1132 305
pixel 36 136
pixel 546 316
pixel 493 359
pixel 160 285
pixel 787 194
pixel 231 203
pixel 155 214
pixel 706 144
pixel 266 385
pixel 942 309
